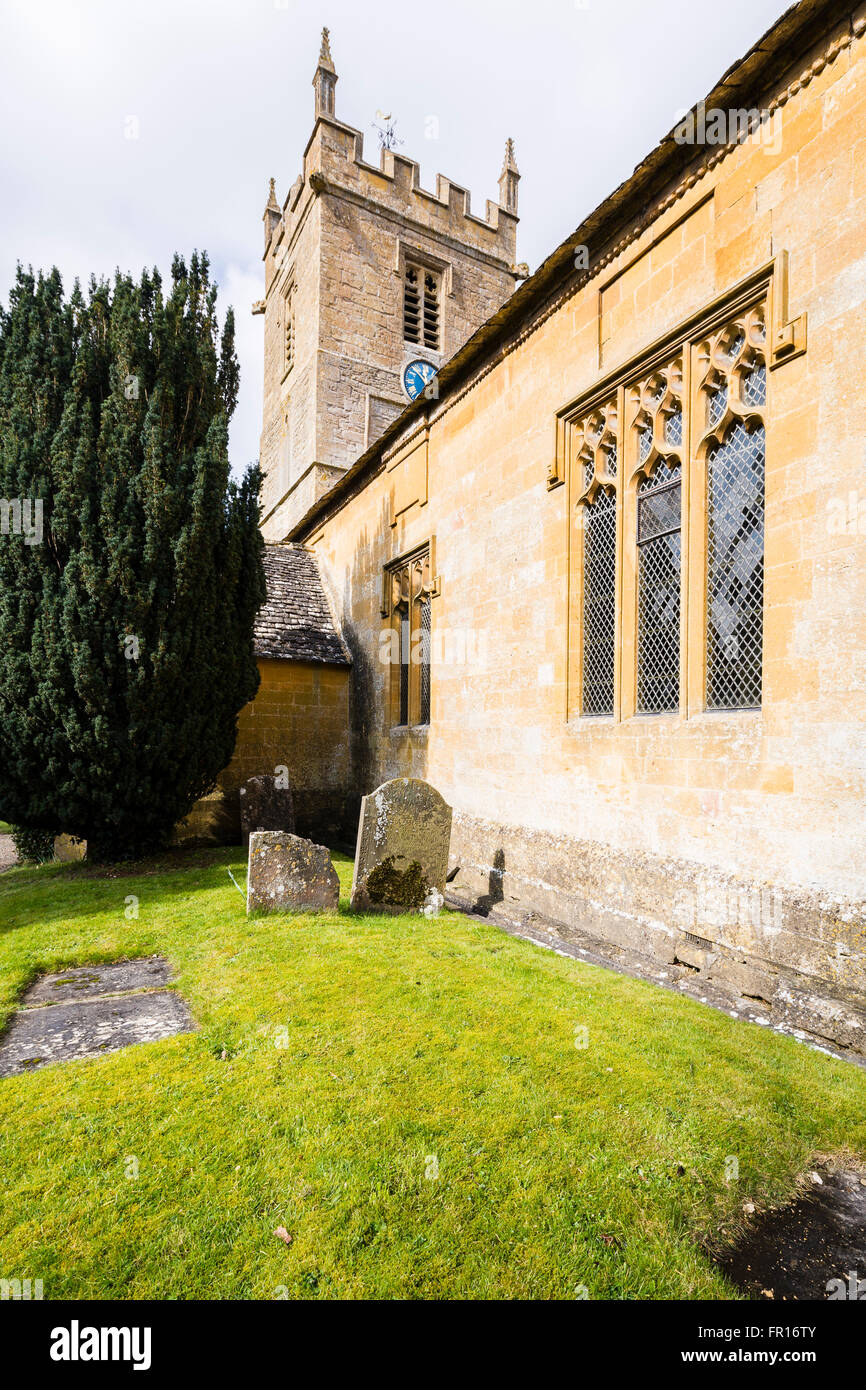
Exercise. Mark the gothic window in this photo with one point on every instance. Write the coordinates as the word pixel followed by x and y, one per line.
pixel 408 592
pixel 597 465
pixel 734 387
pixel 666 476
pixel 659 430
pixel 421 307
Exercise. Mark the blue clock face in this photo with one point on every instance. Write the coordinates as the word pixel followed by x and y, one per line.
pixel 416 376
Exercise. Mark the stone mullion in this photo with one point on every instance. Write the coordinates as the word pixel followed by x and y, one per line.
pixel 627 523
pixel 689 575
pixel 621 479
pixel 575 587
pixel 695 543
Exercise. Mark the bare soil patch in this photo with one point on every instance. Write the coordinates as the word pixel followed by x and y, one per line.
pixel 813 1249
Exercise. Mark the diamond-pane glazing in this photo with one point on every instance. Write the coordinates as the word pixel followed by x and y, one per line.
pixel 736 345
pixel 674 429
pixel 659 566
pixel 735 570
pixel 404 666
pixel 755 385
pixel 425 662
pixel 657 513
pixel 599 600
pixel 717 404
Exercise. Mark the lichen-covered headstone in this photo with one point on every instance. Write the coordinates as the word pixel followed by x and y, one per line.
pixel 266 804
pixel 289 874
pixel 402 852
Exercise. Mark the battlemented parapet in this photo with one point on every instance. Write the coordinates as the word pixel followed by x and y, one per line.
pixel 366 273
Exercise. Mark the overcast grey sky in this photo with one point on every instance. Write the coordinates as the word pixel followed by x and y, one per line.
pixel 220 91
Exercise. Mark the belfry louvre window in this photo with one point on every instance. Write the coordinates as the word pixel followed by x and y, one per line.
pixel 421 307
pixel 666 480
pixel 408 591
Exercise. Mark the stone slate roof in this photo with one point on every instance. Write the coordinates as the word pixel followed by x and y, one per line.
pixel 295 622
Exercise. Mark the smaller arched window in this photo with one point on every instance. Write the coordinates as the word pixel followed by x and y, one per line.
pixel 410 589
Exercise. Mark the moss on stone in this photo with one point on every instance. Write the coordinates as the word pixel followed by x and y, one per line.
pixel 397 887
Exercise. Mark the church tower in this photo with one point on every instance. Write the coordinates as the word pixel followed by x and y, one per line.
pixel 371 283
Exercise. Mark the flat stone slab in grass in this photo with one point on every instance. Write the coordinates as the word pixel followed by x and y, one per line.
pixel 90 981
pixel 89 1028
pixel 289 874
pixel 402 853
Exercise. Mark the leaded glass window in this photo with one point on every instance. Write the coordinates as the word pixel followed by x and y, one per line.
pixel 657 409
pixel 405 659
pixel 659 569
pixel 735 569
pixel 675 455
pixel 424 714
pixel 599 604
pixel 598 459
pixel 408 591
pixel 735 386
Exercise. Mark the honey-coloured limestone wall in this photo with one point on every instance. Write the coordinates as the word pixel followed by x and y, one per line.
pixel 299 720
pixel 754 805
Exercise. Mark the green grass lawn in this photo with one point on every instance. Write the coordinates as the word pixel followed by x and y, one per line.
pixel 341 1063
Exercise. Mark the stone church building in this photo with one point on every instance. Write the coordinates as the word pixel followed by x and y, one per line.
pixel 587 549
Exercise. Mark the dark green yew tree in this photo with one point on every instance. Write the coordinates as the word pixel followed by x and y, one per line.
pixel 130 562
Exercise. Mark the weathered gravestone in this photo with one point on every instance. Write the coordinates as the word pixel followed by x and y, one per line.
pixel 288 874
pixel 69 849
pixel 266 804
pixel 402 852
